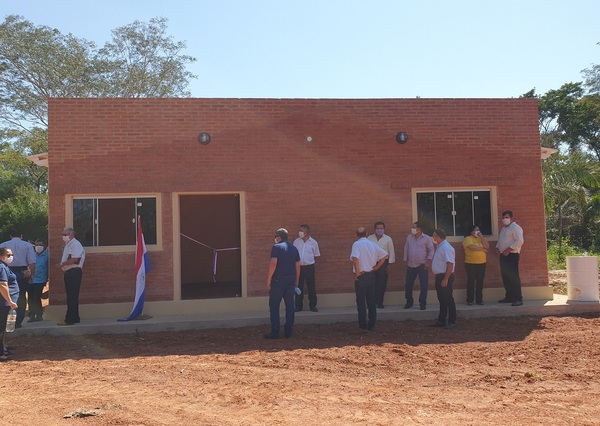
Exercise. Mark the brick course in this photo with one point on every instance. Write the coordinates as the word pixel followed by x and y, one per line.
pixel 352 173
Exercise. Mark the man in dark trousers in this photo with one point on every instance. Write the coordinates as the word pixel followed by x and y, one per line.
pixel 367 257
pixel 72 264
pixel 23 267
pixel 282 281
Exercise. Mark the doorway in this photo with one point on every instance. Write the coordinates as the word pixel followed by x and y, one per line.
pixel 211 255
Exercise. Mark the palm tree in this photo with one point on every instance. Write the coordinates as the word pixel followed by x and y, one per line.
pixel 568 180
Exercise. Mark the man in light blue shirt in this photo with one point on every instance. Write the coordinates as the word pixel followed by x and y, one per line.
pixel 23 266
pixel 34 293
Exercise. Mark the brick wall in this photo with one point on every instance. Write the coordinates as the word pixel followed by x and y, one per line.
pixel 352 173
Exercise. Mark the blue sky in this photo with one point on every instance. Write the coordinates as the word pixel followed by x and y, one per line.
pixel 355 49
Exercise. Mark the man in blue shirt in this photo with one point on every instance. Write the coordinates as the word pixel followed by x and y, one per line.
pixel 34 293
pixel 282 280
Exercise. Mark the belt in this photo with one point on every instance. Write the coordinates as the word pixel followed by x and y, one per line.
pixel 17 268
pixel 72 269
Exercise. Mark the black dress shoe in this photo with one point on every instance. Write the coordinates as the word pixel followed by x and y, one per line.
pixel 271 336
pixel 314 309
pixel 505 300
pixel 517 303
pixel 480 303
pixel 298 309
pixel 470 303
pixel 437 324
pixel 422 307
pixel 450 325
pixel 380 306
pixel 408 306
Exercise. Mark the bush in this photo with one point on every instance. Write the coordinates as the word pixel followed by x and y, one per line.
pixel 557 254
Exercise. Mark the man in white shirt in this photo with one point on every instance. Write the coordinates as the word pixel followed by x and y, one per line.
pixel 508 248
pixel 309 249
pixel 367 257
pixel 442 267
pixel 381 275
pixel 71 264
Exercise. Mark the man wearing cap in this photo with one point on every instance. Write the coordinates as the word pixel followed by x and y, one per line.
pixel 282 281
pixel 23 266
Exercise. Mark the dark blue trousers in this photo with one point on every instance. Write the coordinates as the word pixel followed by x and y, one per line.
pixel 411 275
pixel 364 288
pixel 72 279
pixel 509 268
pixel 446 298
pixel 282 288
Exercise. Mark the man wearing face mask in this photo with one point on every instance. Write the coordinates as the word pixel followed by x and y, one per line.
pixel 418 253
pixel 40 279
pixel 71 264
pixel 509 249
pixel 282 280
pixel 381 275
pixel 9 292
pixel 309 249
pixel 23 266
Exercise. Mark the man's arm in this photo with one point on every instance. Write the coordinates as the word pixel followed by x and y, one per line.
pixel 5 292
pixel 272 266
pixel 356 264
pixel 297 273
pixel 449 267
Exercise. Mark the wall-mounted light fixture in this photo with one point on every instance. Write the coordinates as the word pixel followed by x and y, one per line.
pixel 402 137
pixel 204 138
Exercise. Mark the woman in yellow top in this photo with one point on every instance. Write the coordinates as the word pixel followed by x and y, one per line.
pixel 476 247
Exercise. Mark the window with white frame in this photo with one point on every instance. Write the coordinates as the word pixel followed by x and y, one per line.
pixel 112 221
pixel 455 211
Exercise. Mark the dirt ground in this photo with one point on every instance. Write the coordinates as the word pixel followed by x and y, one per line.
pixel 488 371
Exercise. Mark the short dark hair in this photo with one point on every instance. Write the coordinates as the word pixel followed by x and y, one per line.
pixel 14 232
pixel 282 233
pixel 40 240
pixel 378 223
pixel 471 229
pixel 440 233
pixel 305 226
pixel 508 212
pixel 418 225
pixel 3 251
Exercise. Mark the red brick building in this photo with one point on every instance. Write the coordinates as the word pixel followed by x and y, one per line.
pixel 210 204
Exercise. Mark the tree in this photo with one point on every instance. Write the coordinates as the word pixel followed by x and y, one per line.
pixel 568 180
pixel 37 63
pixel 142 61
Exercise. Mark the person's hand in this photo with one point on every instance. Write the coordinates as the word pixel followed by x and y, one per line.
pixel 269 285
pixel 506 252
pixel 445 282
pixel 13 305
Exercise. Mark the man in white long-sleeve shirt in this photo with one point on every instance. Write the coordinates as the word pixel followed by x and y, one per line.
pixel 509 249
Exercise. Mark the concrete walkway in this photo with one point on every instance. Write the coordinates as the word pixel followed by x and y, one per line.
pixel 558 306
